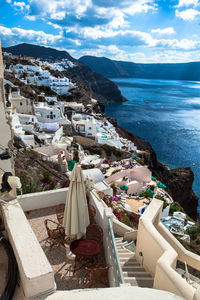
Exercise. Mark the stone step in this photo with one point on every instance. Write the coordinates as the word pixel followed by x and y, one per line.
pixel 127 255
pixel 121 244
pixel 142 282
pixel 123 250
pixel 121 240
pixel 132 274
pixel 132 268
pixel 128 258
pixel 132 263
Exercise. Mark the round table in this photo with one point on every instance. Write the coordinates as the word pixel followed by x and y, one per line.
pixel 85 251
pixel 85 247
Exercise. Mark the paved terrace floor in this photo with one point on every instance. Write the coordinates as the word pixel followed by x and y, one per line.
pixel 135 204
pixel 57 255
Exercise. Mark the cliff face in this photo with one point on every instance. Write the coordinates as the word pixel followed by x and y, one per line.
pixel 112 68
pixel 178 181
pixel 102 89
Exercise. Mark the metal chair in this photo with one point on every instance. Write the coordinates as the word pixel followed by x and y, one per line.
pixel 94 232
pixel 92 213
pixel 56 233
pixel 60 212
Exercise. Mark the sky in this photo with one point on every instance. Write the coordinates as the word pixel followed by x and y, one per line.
pixel 145 31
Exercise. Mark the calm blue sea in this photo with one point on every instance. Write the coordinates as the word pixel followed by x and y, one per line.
pixel 165 113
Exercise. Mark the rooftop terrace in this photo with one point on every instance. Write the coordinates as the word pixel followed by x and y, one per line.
pixel 62 266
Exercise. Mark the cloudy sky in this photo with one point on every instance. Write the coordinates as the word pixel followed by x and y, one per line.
pixel 132 30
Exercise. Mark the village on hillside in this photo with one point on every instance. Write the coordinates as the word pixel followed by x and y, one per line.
pixel 49 129
pixel 81 212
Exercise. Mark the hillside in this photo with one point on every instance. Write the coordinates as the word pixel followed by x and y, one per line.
pixel 38 52
pixel 113 69
pixel 102 89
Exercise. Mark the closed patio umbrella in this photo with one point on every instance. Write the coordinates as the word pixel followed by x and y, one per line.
pixel 124 187
pixel 161 185
pixel 76 217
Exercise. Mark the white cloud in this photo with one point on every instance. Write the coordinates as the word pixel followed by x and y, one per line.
pixel 21 6
pixel 140 6
pixel 31 18
pixel 18 34
pixel 183 44
pixel 58 16
pixel 186 3
pixel 168 31
pixel 4 31
pixel 188 14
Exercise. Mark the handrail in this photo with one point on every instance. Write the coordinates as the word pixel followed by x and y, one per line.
pixel 119 269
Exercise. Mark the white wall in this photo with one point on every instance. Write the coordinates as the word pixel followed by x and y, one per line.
pixel 36 273
pixel 158 257
pixel 29 202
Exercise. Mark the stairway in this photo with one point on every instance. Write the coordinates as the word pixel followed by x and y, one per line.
pixel 133 272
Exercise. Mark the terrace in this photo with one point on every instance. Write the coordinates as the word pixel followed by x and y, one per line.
pixel 61 264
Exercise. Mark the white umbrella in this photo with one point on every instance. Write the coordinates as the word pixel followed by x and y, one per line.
pixel 76 217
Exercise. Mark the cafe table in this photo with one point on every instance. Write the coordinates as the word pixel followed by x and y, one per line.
pixel 86 252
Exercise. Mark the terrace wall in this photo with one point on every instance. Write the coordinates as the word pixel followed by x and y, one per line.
pixel 43 199
pixel 158 256
pixel 36 274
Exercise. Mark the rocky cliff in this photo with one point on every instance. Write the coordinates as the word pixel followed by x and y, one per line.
pixel 102 89
pixel 172 71
pixel 178 181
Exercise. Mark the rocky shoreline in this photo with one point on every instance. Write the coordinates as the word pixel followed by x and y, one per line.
pixel 178 181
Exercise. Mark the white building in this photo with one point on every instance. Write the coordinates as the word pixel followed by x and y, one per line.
pixel 78 107
pixel 84 124
pixel 50 113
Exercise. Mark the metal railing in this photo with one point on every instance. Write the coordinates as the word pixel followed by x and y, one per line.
pixel 115 252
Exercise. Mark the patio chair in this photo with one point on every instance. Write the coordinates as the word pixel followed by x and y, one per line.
pixel 60 212
pixel 97 274
pixel 92 213
pixel 56 233
pixel 94 232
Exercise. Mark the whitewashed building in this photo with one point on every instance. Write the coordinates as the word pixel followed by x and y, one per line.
pixel 50 113
pixel 84 124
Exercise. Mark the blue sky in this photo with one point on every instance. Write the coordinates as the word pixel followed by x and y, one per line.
pixel 139 31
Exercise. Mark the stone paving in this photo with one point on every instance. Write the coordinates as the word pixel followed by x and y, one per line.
pixel 62 266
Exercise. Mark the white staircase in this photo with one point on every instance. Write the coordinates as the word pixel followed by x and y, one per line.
pixel 133 272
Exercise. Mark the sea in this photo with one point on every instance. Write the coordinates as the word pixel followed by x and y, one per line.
pixel 165 113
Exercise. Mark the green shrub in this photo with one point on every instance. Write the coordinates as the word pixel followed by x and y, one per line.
pixel 47 177
pixel 146 194
pixel 175 207
pixel 114 172
pixel 126 220
pixel 193 231
pixel 29 185
pixel 113 186
pixel 87 152
pixel 141 161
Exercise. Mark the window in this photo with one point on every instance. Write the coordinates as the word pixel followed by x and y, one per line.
pixel 47 116
pixel 90 128
pixel 21 103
